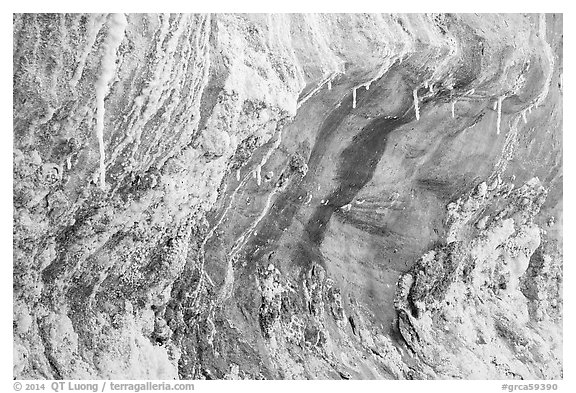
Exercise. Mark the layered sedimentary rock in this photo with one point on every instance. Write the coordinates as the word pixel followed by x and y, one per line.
pixel 287 196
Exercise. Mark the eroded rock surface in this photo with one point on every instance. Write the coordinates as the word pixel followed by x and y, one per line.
pixel 287 196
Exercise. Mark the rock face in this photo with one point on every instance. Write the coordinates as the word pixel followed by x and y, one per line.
pixel 287 196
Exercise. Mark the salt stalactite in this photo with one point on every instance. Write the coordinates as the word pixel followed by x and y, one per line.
pixel 331 78
pixel 380 74
pixel 383 69
pixel 238 175
pixel 327 81
pixel 416 107
pixel 499 118
pixel 108 67
pixel 258 175
pixel 453 104
pixel 92 31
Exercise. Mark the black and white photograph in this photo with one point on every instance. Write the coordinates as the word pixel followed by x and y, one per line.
pixel 286 196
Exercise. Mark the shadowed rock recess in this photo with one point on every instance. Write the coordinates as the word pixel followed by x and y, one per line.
pixel 287 196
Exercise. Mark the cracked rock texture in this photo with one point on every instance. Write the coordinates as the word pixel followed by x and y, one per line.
pixel 287 196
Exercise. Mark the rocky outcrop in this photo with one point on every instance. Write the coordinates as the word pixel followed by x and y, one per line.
pixel 287 196
pixel 462 303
